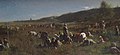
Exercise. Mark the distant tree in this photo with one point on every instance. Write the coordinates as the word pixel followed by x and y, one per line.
pixel 106 10
pixel 104 4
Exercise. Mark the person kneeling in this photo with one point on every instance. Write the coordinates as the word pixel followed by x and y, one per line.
pixel 114 48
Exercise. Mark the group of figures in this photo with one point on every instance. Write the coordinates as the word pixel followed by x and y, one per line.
pixel 67 37
pixel 103 25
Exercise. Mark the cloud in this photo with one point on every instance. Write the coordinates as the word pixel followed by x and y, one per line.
pixel 87 8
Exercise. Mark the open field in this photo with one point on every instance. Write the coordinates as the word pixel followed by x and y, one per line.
pixel 23 44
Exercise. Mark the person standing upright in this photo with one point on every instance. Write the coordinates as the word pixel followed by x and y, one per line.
pixel 117 31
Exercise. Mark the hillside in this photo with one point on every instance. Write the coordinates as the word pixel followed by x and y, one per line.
pixel 87 15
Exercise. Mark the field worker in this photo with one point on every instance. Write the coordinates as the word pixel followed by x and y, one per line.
pixel 83 35
pixel 1 46
pixel 96 25
pixel 52 25
pixel 71 34
pixel 57 36
pixel 65 30
pixel 114 49
pixel 5 43
pixel 53 42
pixel 61 37
pixel 103 25
pixel 89 34
pixel 48 42
pixel 117 31
pixel 101 39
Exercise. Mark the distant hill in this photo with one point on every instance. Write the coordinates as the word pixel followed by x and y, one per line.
pixel 86 15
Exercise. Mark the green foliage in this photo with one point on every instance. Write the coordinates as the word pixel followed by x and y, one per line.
pixel 104 4
pixel 106 11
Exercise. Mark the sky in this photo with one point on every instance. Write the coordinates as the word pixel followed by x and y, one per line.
pixel 11 10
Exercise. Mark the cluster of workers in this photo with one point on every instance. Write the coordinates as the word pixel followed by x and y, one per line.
pixel 68 37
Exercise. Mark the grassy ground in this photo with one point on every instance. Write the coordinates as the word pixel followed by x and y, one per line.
pixel 22 44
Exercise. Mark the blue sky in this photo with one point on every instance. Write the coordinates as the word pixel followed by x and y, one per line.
pixel 24 9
